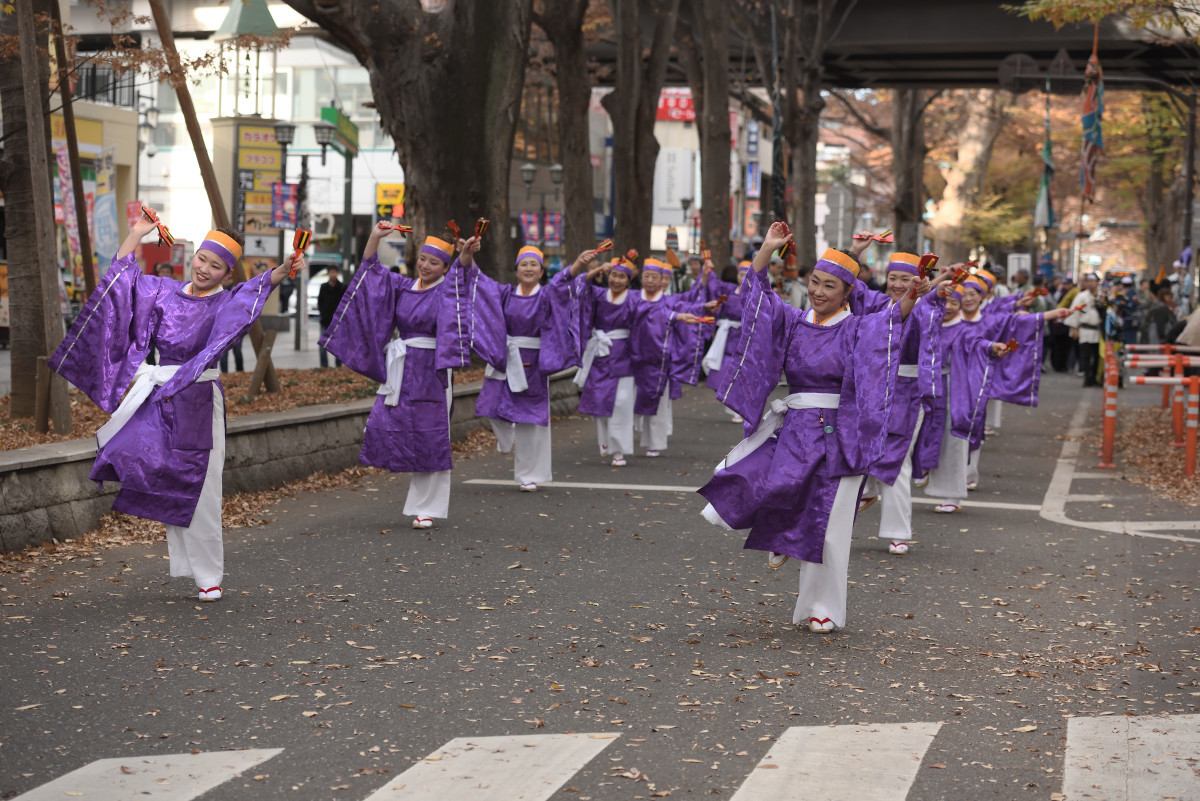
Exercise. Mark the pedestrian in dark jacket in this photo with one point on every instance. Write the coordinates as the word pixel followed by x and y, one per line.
pixel 327 302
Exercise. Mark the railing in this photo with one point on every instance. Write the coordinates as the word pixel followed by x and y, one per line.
pixel 98 83
pixel 1175 359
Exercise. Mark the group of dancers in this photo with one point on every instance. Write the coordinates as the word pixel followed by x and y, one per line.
pixel 882 386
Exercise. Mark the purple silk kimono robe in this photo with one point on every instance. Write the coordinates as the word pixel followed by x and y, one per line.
pixel 1018 375
pixel 966 389
pixel 731 309
pixel 666 353
pixel 784 491
pixel 651 332
pixel 497 311
pixel 161 454
pixel 920 353
pixel 414 435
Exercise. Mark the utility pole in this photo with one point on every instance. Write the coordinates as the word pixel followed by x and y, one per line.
pixel 51 397
pixel 220 214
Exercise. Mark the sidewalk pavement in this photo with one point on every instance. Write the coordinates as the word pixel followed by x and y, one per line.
pixel 284 354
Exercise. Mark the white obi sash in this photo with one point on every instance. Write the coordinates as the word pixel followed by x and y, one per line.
pixel 716 351
pixel 514 370
pixel 395 355
pixel 146 379
pixel 773 421
pixel 599 344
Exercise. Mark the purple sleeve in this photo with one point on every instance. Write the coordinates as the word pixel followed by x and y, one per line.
pixel 927 315
pixel 238 311
pixel 1018 375
pixel 363 322
pixel 471 318
pixel 559 324
pixel 972 371
pixel 1006 304
pixel 864 300
pixel 112 335
pixel 758 360
pixel 869 387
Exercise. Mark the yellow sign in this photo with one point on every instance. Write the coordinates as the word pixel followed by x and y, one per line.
pixel 389 200
pixel 263 137
pixel 89 132
pixel 263 180
pixel 264 160
pixel 258 201
pixel 389 193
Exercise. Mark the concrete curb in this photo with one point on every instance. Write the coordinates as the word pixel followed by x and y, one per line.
pixel 45 492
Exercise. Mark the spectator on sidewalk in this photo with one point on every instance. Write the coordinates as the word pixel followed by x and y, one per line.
pixel 1061 343
pixel 327 302
pixel 1085 328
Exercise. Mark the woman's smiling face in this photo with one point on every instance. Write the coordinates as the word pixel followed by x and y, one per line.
pixel 827 293
pixel 208 270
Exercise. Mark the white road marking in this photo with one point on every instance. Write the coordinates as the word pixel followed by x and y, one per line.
pixel 841 763
pixel 170 777
pixel 584 485
pixel 529 768
pixel 1019 507
pixel 1058 493
pixel 497 482
pixel 1132 759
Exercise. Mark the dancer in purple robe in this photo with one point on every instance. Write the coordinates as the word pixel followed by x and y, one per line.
pixel 794 483
pixel 724 301
pixel 165 441
pixel 525 334
pixel 609 321
pixel 408 430
pixel 1016 379
pixel 889 478
pixel 956 416
pixel 665 356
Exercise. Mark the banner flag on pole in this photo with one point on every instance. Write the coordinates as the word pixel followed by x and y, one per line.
pixel 1044 215
pixel 1093 116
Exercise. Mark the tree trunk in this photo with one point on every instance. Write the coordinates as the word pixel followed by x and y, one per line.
pixel 983 117
pixel 447 86
pixel 705 57
pixel 908 166
pixel 808 27
pixel 1162 196
pixel 25 263
pixel 632 106
pixel 564 28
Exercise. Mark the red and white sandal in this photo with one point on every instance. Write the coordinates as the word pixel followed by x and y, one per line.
pixel 947 508
pixel 899 547
pixel 866 502
pixel 210 594
pixel 422 522
pixel 820 625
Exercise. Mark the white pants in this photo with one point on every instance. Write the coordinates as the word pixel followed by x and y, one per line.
pixel 994 407
pixel 197 550
pixel 530 444
pixel 895 517
pixel 949 479
pixel 615 434
pixel 428 495
pixel 973 466
pixel 655 429
pixel 823 586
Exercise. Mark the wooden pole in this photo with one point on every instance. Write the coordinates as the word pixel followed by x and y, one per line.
pixel 219 212
pixel 64 92
pixel 54 401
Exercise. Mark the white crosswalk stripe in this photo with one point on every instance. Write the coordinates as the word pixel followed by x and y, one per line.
pixel 1106 759
pixel 870 763
pixel 171 777
pixel 529 768
pixel 1132 759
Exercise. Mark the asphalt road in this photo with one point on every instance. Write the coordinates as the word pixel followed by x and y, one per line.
pixel 361 647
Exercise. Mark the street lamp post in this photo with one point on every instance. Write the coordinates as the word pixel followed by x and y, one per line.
pixel 687 222
pixel 528 174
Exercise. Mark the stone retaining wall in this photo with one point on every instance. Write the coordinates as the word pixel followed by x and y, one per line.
pixel 45 492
